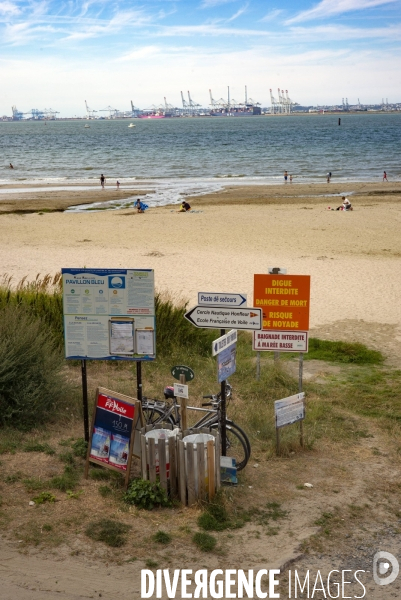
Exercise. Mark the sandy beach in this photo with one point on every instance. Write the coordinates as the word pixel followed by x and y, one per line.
pixel 353 258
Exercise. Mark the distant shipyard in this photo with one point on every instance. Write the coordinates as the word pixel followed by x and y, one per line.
pixel 280 104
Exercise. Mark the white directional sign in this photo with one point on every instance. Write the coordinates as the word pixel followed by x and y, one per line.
pixel 224 342
pixel 280 341
pixel 220 299
pixel 216 317
pixel 289 410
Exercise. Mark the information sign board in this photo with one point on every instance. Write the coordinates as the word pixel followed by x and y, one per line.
pixel 115 424
pixel 224 341
pixel 280 341
pixel 217 317
pixel 109 314
pixel 221 299
pixel 226 363
pixel 285 301
pixel 289 410
pixel 180 390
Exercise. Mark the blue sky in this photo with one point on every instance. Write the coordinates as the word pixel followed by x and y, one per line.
pixel 57 54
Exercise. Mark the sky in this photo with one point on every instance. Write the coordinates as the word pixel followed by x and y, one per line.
pixel 57 54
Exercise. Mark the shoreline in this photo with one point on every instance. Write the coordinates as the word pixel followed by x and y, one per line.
pixel 59 200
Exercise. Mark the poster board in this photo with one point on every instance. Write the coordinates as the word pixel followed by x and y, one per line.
pixel 115 432
pixel 104 312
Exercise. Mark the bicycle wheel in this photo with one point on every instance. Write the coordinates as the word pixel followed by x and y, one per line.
pixel 242 434
pixel 236 446
pixel 153 414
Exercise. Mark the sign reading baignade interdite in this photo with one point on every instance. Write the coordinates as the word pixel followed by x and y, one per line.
pixel 109 314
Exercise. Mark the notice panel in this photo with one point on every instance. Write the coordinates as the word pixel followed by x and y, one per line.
pixel 280 341
pixel 284 300
pixel 289 410
pixel 109 314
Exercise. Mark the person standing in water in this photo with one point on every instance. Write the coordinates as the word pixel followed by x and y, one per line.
pixel 102 180
pixel 385 176
pixel 285 176
pixel 11 166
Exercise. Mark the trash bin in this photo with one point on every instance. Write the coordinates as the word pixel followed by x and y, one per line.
pixel 160 434
pixel 198 438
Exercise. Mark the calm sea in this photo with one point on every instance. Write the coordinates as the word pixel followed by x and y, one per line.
pixel 185 156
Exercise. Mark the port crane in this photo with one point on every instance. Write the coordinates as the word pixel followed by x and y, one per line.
pixel 110 110
pixel 89 111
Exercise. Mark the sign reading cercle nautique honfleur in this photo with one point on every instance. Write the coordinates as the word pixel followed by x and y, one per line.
pixel 109 314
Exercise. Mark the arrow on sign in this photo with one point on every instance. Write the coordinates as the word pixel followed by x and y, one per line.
pixel 221 299
pixel 217 317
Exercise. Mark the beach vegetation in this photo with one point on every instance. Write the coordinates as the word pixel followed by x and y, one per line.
pixel 343 352
pixel 109 531
pixel 32 383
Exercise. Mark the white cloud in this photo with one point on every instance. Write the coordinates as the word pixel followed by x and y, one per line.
pixel 239 12
pixel 327 8
pixel 9 8
pixel 272 15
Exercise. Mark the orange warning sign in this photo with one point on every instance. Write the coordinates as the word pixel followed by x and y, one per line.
pixel 284 300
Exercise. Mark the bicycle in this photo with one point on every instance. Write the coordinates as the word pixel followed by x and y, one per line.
pixel 238 445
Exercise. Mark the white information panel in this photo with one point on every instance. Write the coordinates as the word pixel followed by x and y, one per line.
pixel 109 314
pixel 280 341
pixel 289 410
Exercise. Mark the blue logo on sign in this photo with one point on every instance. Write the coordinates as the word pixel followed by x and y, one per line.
pixel 116 282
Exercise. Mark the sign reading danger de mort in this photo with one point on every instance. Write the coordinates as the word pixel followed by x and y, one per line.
pixel 284 300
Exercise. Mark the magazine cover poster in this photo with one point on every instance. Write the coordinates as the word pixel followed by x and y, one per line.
pixel 119 451
pixel 100 448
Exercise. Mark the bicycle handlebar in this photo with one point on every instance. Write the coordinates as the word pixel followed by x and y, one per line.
pixel 208 396
pixel 207 403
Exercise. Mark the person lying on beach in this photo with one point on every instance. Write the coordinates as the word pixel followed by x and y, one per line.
pixel 185 206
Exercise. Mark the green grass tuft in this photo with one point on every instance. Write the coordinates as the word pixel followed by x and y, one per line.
pixel 204 541
pixel 343 352
pixel 111 532
pixel 162 537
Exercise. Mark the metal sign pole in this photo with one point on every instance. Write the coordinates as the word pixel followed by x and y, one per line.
pixel 183 403
pixel 139 380
pixel 301 370
pixel 258 365
pixel 223 431
pixel 85 399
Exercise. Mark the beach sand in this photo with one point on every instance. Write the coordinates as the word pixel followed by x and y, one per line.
pixel 353 258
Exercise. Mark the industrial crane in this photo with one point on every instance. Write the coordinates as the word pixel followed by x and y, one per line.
pixel 110 110
pixel 89 111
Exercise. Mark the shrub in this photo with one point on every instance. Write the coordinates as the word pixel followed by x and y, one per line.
pixel 31 383
pixel 146 494
pixel 162 537
pixel 343 352
pixel 204 541
pixel 113 533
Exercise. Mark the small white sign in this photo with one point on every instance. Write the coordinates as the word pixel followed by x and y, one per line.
pixel 221 299
pixel 280 341
pixel 289 410
pixel 224 341
pixel 181 390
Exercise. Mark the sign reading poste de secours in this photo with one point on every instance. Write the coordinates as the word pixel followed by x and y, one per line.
pixel 285 301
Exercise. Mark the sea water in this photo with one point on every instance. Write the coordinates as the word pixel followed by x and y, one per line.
pixel 188 156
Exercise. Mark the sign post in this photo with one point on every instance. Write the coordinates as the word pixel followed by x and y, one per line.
pixel 288 411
